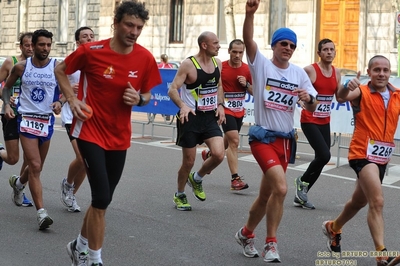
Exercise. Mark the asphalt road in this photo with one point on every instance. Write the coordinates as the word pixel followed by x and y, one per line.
pixel 144 228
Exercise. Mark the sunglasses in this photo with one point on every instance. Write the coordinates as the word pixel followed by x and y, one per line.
pixel 285 44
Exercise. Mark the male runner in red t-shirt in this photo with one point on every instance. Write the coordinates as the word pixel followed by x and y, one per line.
pixel 116 74
pixel 236 81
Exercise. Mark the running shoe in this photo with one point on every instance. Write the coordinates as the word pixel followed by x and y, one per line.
pixel 26 202
pixel 270 252
pixel 301 189
pixel 205 154
pixel 305 205
pixel 197 187
pixel 1 159
pixel 247 243
pixel 74 207
pixel 387 261
pixel 77 258
pixel 238 184
pixel 181 203
pixel 17 195
pixel 67 194
pixel 334 238
pixel 43 219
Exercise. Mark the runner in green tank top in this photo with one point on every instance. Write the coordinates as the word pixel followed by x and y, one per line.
pixel 10 154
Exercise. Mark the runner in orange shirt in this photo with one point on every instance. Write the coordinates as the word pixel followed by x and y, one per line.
pixel 376 112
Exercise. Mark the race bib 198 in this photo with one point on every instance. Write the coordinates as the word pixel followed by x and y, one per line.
pixel 207 100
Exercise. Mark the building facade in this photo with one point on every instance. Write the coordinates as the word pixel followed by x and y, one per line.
pixel 359 28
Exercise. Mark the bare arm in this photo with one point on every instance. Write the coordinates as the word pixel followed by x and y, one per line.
pixel 311 73
pixel 178 81
pixel 248 29
pixel 68 92
pixel 5 70
pixel 350 92
pixel 339 85
pixel 15 73
pixel 220 107
pixel 173 93
pixel 250 89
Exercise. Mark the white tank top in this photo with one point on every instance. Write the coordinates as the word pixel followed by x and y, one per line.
pixel 66 113
pixel 39 88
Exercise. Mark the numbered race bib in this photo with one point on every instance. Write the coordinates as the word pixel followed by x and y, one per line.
pixel 207 100
pixel 37 125
pixel 235 101
pixel 279 95
pixel 323 108
pixel 379 152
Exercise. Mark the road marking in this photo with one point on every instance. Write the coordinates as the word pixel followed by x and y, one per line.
pixel 392 177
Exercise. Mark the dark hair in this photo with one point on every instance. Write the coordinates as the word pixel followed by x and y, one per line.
pixel 22 35
pixel 40 33
pixel 322 42
pixel 78 32
pixel 130 8
pixel 371 61
pixel 235 41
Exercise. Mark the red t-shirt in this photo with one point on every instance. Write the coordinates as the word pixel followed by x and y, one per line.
pixel 231 84
pixel 103 80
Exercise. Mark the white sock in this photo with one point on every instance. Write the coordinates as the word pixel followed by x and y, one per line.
pixel 94 256
pixel 81 244
pixel 19 184
pixel 197 177
pixel 68 184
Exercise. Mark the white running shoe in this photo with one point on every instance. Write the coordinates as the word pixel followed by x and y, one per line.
pixel 74 207
pixel 67 194
pixel 270 253
pixel 43 219
pixel 78 259
pixel 17 195
pixel 247 243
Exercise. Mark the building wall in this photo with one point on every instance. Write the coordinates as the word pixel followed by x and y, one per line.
pixel 376 36
pixel 380 36
pixel 45 14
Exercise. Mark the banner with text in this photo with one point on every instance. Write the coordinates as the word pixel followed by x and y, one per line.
pixel 342 120
pixel 160 102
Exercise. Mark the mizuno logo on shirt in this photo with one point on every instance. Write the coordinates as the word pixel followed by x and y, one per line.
pixel 132 74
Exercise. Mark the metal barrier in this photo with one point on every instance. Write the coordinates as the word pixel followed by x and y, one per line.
pixel 342 140
pixel 150 117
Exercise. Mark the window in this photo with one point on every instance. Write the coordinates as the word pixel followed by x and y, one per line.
pixel 176 22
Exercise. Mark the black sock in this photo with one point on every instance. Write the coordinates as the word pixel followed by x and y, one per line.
pixel 234 176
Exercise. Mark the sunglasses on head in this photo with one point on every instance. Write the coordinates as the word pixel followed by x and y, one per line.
pixel 285 44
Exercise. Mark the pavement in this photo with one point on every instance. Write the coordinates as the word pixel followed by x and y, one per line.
pixel 144 228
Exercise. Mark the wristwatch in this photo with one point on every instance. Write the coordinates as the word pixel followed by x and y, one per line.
pixel 247 85
pixel 142 100
pixel 312 99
